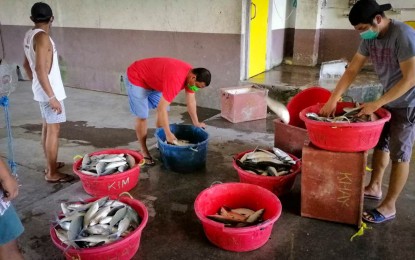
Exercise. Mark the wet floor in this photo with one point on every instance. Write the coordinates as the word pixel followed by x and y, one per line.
pixel 173 230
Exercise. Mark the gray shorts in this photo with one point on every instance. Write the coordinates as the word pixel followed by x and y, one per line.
pixel 50 116
pixel 398 134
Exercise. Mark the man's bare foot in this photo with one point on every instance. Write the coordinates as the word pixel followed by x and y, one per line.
pixel 371 193
pixel 58 178
pixel 58 166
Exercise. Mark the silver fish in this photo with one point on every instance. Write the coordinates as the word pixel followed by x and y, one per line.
pixel 71 217
pixel 62 235
pixel 89 173
pixel 65 225
pixel 65 209
pixel 272 171
pixel 260 154
pixel 108 171
pixel 100 168
pixel 132 215
pixel 86 160
pixel 79 206
pixel 99 230
pixel 256 216
pixel 90 213
pixel 105 220
pixel 130 160
pixel 282 173
pixel 102 213
pixel 243 211
pixel 244 157
pixel 114 210
pixel 102 201
pixel 123 225
pixel 181 142
pixel 97 239
pixel 114 203
pixel 114 165
pixel 97 157
pixel 283 155
pixel 267 159
pixel 75 228
pixel 122 168
pixel 118 216
pixel 113 159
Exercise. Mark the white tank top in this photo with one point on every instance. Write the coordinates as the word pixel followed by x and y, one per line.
pixel 54 75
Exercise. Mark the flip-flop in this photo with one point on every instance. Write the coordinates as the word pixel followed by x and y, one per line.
pixel 58 166
pixel 372 197
pixel 149 161
pixel 65 178
pixel 374 216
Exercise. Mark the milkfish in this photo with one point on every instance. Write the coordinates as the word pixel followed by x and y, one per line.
pixel 238 217
pixel 266 163
pixel 103 221
pixel 180 142
pixel 106 164
pixel 349 116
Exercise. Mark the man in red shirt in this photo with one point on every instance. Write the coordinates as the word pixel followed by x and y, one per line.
pixel 153 83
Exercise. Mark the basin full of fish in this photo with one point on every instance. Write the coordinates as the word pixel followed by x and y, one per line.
pixel 238 217
pixel 349 116
pixel 266 163
pixel 106 164
pixel 85 225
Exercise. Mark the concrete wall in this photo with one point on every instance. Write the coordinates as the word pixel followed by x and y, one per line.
pixel 98 39
pixel 323 31
pixel 282 36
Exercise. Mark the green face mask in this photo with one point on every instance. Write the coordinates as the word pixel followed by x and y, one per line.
pixel 369 34
pixel 193 88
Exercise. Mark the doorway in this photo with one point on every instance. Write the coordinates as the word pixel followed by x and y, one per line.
pixel 258 36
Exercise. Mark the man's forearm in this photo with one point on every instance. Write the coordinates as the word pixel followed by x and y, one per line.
pixel 192 108
pixel 395 92
pixel 28 70
pixel 4 171
pixel 44 82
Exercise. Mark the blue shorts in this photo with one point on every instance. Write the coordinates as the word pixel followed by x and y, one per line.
pixel 141 100
pixel 10 226
pixel 398 134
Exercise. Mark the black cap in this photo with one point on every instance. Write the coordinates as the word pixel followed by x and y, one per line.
pixel 365 10
pixel 41 12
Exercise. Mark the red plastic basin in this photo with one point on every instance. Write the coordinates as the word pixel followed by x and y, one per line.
pixel 279 185
pixel 123 249
pixel 304 99
pixel 110 184
pixel 237 195
pixel 344 137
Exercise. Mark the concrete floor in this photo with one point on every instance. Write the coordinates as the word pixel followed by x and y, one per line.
pixel 99 121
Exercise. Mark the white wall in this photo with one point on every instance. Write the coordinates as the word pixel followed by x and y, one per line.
pixel 308 14
pixel 205 16
pixel 283 14
pixel 334 13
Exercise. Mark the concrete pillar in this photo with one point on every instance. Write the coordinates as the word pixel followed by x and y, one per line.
pixel 307 32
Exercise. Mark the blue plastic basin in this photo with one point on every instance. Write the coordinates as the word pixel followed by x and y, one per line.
pixel 183 159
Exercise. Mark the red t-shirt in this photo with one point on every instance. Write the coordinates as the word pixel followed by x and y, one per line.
pixel 166 75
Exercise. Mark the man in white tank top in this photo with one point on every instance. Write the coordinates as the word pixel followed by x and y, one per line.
pixel 41 65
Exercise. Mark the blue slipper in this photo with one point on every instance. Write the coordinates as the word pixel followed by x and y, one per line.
pixel 372 197
pixel 374 216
